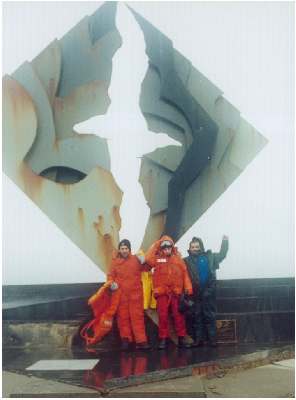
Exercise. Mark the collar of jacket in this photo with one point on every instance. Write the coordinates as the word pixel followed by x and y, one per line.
pixel 194 256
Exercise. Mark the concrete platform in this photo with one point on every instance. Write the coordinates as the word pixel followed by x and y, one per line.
pixel 115 370
pixel 270 381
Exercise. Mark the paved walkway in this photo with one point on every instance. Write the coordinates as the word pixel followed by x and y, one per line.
pixel 273 380
pixel 15 385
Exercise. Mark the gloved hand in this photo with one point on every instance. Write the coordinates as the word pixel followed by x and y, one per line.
pixel 141 258
pixel 113 286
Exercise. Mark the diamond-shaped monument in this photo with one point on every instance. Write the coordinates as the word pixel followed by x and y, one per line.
pixel 67 175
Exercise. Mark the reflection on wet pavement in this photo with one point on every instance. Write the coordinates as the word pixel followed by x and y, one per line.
pixel 115 365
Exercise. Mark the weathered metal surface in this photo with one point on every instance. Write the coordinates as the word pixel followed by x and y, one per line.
pixel 217 144
pixel 65 174
pixel 87 211
pixel 87 50
pixel 68 175
pixel 45 135
pixel 68 83
pixel 47 66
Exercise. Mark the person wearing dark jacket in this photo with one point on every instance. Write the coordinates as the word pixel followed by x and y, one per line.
pixel 202 266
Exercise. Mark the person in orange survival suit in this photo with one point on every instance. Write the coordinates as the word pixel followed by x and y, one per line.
pixel 170 278
pixel 125 273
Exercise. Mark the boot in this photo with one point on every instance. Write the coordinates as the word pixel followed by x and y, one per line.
pixel 182 342
pixel 213 342
pixel 197 343
pixel 125 344
pixel 143 346
pixel 162 344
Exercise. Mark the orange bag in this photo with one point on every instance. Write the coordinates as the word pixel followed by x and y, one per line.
pixel 104 305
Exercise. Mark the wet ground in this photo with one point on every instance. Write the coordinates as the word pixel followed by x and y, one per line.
pixel 110 369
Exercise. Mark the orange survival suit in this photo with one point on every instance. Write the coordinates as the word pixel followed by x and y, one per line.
pixel 170 278
pixel 104 305
pixel 126 272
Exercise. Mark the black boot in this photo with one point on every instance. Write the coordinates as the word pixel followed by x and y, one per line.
pixel 182 342
pixel 143 346
pixel 213 342
pixel 125 345
pixel 197 343
pixel 162 344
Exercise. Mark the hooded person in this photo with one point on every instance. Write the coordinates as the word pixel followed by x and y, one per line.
pixel 202 266
pixel 125 274
pixel 170 279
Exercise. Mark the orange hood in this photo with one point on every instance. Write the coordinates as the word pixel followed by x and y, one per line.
pixel 169 239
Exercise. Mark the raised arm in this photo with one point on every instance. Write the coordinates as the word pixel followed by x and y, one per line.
pixel 150 256
pixel 219 257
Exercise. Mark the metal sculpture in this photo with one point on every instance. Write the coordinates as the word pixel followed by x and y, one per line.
pixel 181 183
pixel 68 175
pixel 65 174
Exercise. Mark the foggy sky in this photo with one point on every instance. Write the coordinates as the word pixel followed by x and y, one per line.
pixel 246 49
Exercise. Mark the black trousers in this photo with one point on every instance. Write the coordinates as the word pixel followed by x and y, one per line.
pixel 203 317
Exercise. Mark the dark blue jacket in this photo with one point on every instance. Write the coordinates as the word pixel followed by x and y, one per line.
pixel 214 260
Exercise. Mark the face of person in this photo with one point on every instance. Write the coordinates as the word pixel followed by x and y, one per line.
pixel 194 248
pixel 167 251
pixel 124 251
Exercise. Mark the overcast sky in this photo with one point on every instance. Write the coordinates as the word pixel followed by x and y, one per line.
pixel 246 49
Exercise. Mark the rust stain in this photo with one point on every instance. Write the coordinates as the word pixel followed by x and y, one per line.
pixel 56 144
pixel 33 183
pixel 22 106
pixel 58 105
pixel 52 87
pixel 81 219
pixel 105 243
pixel 205 370
pixel 89 89
pixel 116 216
pixel 18 95
pixel 66 188
pixel 108 249
pixel 105 249
pixel 108 179
pixel 99 225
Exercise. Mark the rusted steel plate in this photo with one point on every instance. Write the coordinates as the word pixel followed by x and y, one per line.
pixel 87 211
pixel 42 101
pixel 217 144
pixel 66 84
